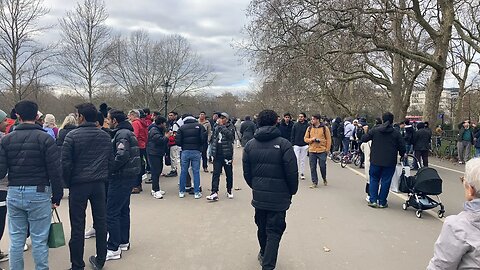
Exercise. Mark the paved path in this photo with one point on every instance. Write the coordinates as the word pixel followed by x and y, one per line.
pixel 193 234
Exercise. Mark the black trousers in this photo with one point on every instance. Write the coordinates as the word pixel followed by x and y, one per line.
pixel 422 157
pixel 218 164
pixel 156 166
pixel 79 196
pixel 3 211
pixel 143 161
pixel 204 158
pixel 337 143
pixel 271 226
pixel 118 213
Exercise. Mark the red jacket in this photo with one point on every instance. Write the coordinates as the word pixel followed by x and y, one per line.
pixel 140 129
pixel 149 120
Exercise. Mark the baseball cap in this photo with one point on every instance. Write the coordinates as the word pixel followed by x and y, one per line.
pixel 3 115
pixel 224 114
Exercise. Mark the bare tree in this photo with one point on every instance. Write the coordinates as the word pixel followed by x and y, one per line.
pixel 314 30
pixel 140 66
pixel 135 66
pixel 23 61
pixel 84 47
pixel 184 68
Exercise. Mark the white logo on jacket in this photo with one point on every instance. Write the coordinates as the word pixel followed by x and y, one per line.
pixel 277 146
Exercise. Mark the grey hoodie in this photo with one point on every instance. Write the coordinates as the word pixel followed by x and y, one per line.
pixel 458 246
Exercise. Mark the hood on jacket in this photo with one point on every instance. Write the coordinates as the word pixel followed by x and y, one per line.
pixel 386 128
pixel 123 125
pixel 267 133
pixel 473 206
pixel 189 119
pixel 142 121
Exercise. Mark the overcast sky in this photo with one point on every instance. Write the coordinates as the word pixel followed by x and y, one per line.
pixel 211 26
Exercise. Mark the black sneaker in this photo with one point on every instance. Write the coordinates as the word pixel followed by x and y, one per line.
pixel 260 258
pixel 171 174
pixel 3 257
pixel 94 263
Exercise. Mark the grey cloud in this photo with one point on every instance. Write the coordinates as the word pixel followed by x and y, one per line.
pixel 210 26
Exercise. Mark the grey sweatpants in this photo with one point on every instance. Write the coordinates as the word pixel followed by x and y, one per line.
pixel 464 149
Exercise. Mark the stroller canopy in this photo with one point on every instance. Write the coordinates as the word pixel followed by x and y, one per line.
pixel 428 181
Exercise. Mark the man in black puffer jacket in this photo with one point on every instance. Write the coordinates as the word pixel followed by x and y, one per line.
pixel 86 154
pixel 270 169
pixel 124 170
pixel 421 143
pixel 222 153
pixel 191 137
pixel 32 160
pixel 156 147
pixel 387 144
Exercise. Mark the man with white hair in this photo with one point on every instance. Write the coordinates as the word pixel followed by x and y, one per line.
pixel 458 246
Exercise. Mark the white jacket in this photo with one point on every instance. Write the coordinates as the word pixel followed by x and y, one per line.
pixel 458 246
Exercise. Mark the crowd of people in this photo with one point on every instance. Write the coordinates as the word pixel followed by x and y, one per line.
pixel 103 156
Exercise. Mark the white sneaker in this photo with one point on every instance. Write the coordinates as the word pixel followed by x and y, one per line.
pixel 90 233
pixel 114 255
pixel 152 192
pixel 158 195
pixel 230 195
pixel 198 195
pixel 368 198
pixel 124 247
pixel 25 247
pixel 213 197
pixel 144 177
pixel 302 177
pixel 181 194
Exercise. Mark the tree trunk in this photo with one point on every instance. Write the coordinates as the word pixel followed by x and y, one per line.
pixel 433 94
pixel 442 44
pixel 458 115
pixel 396 88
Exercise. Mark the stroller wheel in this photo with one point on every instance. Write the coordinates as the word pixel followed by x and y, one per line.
pixel 418 213
pixel 404 206
pixel 441 214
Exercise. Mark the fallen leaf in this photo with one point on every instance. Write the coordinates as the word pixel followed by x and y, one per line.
pixel 326 249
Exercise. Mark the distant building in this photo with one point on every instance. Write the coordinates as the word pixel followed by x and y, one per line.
pixel 447 100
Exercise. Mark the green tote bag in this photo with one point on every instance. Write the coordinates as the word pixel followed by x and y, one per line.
pixel 56 237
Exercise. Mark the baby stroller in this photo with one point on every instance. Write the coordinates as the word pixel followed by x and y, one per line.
pixel 425 182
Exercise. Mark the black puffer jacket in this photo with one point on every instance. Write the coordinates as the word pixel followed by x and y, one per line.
pixel 409 132
pixel 387 143
pixel 62 133
pixel 270 169
pixel 157 141
pixel 421 140
pixel 31 158
pixel 286 129
pixel 191 135
pixel 222 141
pixel 126 162
pixel 247 130
pixel 86 154
pixel 298 133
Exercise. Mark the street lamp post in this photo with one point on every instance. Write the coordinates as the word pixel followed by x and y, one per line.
pixel 166 85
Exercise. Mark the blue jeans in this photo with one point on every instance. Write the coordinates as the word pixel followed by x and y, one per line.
pixel 321 159
pixel 380 175
pixel 346 145
pixel 118 214
pixel 477 152
pixel 190 157
pixel 27 207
